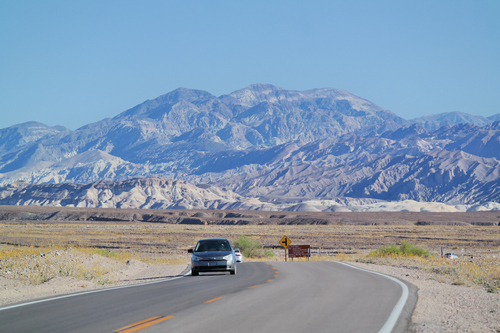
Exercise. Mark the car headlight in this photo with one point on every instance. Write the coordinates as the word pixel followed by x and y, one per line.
pixel 229 257
pixel 195 258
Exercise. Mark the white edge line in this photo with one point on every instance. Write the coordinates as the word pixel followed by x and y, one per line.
pixel 398 308
pixel 87 292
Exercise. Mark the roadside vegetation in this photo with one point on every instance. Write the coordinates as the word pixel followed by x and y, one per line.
pixel 465 270
pixel 36 265
pixel 403 250
pixel 69 249
pixel 252 248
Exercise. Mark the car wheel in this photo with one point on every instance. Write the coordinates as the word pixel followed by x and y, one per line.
pixel 233 271
pixel 195 273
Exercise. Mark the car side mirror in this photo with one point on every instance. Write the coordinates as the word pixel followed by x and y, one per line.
pixel 190 251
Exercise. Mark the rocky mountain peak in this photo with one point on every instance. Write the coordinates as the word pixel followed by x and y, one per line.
pixel 495 125
pixel 264 142
pixel 259 93
pixel 162 105
pixel 26 133
pixel 436 121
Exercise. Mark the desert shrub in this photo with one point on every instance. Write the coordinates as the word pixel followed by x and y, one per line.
pixel 269 253
pixel 408 249
pixel 405 250
pixel 250 248
pixel 107 253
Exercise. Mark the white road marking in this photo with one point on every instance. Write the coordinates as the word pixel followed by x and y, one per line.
pixel 87 292
pixel 387 328
pixel 398 308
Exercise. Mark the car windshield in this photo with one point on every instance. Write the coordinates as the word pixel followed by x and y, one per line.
pixel 212 245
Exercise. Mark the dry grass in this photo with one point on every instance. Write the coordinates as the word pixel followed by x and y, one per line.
pixel 167 243
pixel 38 265
pixel 35 265
pixel 484 271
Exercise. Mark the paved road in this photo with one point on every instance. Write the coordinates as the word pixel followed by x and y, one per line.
pixel 282 297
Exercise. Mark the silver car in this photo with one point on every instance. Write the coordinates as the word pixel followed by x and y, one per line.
pixel 451 255
pixel 238 255
pixel 212 255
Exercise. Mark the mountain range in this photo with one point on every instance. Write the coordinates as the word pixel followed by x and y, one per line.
pixel 259 146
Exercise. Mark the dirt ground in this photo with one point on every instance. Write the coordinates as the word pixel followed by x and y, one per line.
pixel 158 250
pixel 441 307
pixel 14 290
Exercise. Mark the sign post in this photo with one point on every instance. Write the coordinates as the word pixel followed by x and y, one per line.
pixel 285 242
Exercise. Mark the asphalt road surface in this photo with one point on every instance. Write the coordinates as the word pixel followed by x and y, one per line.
pixel 277 297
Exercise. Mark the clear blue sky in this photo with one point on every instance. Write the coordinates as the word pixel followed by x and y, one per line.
pixel 71 63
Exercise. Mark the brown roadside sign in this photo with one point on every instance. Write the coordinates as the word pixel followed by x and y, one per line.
pixel 297 251
pixel 285 242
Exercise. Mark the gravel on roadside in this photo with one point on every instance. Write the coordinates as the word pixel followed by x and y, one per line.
pixel 442 307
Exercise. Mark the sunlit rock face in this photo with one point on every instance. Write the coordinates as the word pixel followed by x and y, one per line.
pixel 269 145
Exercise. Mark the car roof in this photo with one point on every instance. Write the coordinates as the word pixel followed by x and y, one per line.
pixel 209 239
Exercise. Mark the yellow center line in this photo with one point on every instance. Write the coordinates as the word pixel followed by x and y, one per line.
pixel 142 324
pixel 270 280
pixel 215 299
pixel 138 323
pixel 155 320
pixel 276 275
